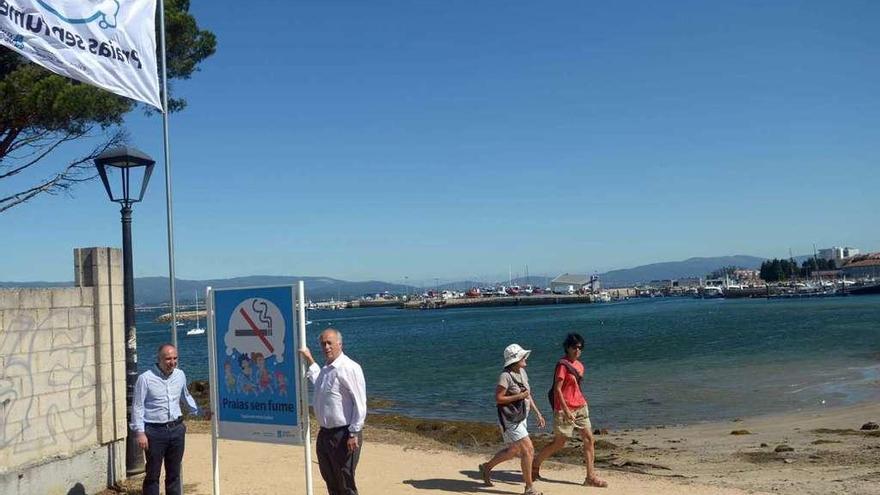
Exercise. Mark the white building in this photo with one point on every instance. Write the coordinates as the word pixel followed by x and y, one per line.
pixel 568 283
pixel 838 255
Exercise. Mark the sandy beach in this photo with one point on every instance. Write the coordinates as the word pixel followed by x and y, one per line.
pixel 829 455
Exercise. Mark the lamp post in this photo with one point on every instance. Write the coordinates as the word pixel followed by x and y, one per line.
pixel 130 165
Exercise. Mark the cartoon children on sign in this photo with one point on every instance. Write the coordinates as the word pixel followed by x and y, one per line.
pixel 255 343
pixel 264 379
pixel 246 377
pixel 229 376
pixel 282 383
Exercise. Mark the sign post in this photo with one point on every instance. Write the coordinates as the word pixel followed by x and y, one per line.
pixel 212 377
pixel 304 387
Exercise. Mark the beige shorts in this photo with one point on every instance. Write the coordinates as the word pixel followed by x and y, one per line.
pixel 562 426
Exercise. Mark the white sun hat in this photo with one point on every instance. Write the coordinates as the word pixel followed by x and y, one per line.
pixel 514 353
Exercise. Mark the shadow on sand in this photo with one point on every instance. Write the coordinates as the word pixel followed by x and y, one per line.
pixel 512 480
pixel 472 485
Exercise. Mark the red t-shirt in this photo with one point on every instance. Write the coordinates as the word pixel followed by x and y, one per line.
pixel 571 390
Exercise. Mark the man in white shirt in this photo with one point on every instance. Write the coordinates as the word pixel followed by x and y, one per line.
pixel 157 421
pixel 340 404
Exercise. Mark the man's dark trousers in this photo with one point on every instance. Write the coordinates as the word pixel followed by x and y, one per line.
pixel 166 442
pixel 336 463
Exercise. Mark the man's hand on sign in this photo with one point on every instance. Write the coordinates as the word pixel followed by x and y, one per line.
pixel 142 440
pixel 352 444
pixel 307 355
pixel 208 415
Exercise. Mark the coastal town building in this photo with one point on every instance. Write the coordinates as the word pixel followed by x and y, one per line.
pixel 661 284
pixel 839 255
pixel 864 266
pixel 747 276
pixel 689 282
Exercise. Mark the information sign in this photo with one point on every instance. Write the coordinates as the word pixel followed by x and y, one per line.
pixel 255 364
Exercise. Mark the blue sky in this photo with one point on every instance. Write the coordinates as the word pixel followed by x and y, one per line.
pixel 454 139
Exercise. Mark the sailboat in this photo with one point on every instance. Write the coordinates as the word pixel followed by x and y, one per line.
pixel 197 330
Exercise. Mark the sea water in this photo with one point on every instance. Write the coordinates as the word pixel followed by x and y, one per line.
pixel 648 361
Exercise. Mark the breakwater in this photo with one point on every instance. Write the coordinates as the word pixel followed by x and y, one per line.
pixel 488 302
pixel 378 303
pixel 183 316
pixel 738 293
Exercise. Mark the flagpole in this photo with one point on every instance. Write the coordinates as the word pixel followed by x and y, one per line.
pixel 168 206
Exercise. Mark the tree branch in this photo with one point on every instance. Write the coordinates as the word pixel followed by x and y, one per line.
pixel 62 181
pixel 40 156
pixel 31 137
pixel 8 140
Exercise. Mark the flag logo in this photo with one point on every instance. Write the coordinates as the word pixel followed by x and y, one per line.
pixel 84 12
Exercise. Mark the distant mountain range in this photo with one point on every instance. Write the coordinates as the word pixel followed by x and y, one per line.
pixel 154 290
pixel 691 267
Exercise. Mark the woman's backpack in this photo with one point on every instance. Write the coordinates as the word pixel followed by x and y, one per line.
pixel 551 395
pixel 515 412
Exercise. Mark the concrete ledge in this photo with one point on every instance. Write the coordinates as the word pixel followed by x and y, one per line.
pixel 9 299
pixel 66 297
pixel 82 473
pixel 34 298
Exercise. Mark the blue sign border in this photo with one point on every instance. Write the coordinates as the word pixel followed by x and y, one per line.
pixel 257 396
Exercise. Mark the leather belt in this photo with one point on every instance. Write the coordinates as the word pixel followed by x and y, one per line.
pixel 168 424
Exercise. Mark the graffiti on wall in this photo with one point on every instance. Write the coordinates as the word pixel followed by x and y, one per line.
pixel 47 381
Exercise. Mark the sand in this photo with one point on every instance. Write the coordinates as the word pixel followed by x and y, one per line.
pixel 393 469
pixel 829 455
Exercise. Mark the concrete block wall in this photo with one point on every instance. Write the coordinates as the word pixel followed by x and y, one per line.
pixel 62 381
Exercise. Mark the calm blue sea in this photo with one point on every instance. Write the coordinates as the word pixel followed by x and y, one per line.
pixel 649 361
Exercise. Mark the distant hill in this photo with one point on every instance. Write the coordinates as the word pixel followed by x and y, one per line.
pixel 151 290
pixel 33 285
pixel 691 267
pixel 155 290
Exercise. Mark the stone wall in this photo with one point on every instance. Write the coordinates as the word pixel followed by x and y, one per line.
pixel 62 381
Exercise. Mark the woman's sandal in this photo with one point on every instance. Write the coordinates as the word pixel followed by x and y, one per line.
pixel 532 491
pixel 595 481
pixel 485 474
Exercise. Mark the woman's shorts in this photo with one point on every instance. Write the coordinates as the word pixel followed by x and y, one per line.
pixel 515 433
pixel 562 426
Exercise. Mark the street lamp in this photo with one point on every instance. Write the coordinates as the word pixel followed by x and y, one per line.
pixel 133 167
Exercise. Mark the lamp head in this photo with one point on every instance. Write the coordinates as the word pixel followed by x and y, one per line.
pixel 131 164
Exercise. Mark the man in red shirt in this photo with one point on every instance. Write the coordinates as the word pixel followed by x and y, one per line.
pixel 570 411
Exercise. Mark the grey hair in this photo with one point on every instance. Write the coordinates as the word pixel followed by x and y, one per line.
pixel 331 329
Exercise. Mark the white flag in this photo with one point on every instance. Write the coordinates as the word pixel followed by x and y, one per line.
pixel 108 43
